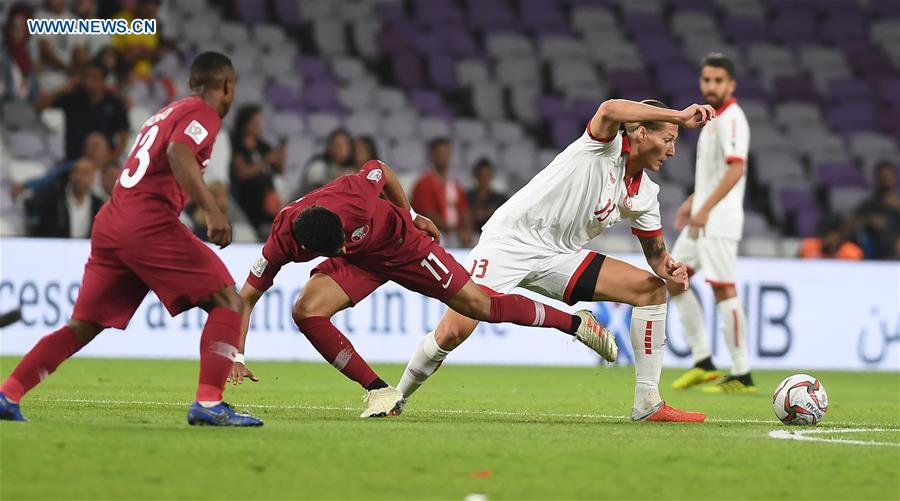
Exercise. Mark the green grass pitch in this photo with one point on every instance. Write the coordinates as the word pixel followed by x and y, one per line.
pixel 116 429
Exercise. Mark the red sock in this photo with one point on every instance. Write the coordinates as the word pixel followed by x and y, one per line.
pixel 218 346
pixel 523 311
pixel 52 350
pixel 337 349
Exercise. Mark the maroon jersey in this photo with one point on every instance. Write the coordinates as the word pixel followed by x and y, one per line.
pixel 372 226
pixel 147 195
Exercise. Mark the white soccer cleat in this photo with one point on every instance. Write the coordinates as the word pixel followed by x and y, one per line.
pixel 596 337
pixel 383 402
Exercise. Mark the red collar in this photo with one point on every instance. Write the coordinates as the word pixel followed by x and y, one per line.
pixel 632 184
pixel 726 104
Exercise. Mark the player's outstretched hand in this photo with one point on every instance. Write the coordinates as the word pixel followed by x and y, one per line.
pixel 428 227
pixel 677 272
pixel 240 371
pixel 697 115
pixel 218 228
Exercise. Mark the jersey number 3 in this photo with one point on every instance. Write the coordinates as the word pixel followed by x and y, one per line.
pixel 141 152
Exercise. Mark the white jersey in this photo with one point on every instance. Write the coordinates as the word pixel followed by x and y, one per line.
pixel 581 193
pixel 726 138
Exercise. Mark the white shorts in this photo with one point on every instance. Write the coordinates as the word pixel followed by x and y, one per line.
pixel 716 256
pixel 502 264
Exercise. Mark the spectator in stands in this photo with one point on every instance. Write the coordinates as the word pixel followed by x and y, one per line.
pixel 111 173
pixel 69 211
pixel 364 149
pixel 254 164
pixel 879 216
pixel 831 243
pixel 59 52
pixel 18 58
pixel 95 148
pixel 336 161
pixel 441 198
pixel 219 192
pixel 89 106
pixel 141 51
pixel 483 200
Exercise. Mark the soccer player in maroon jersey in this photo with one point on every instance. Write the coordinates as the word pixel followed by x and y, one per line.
pixel 138 244
pixel 369 241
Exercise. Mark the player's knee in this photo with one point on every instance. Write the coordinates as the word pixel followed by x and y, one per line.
pixel 449 336
pixel 228 298
pixel 652 291
pixel 86 331
pixel 306 308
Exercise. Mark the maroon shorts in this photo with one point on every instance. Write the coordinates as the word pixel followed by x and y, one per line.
pixel 420 265
pixel 174 264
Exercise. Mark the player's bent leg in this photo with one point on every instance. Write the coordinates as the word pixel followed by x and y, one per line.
pixel 621 282
pixel 218 347
pixel 452 330
pixel 51 351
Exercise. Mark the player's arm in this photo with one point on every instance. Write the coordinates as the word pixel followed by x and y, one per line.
pixel 239 369
pixel 47 100
pixel 664 265
pixel 187 173
pixel 732 175
pixel 393 192
pixel 613 113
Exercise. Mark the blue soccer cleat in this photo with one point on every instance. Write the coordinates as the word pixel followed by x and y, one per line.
pixel 221 414
pixel 10 411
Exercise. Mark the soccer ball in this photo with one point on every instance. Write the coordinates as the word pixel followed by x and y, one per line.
pixel 801 400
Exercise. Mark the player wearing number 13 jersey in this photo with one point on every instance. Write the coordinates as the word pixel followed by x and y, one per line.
pixel 138 245
pixel 535 240
pixel 368 241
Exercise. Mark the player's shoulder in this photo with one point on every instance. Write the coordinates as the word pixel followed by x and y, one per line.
pixel 733 112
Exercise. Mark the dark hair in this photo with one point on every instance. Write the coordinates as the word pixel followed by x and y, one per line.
pixel 207 68
pixel 244 115
pixel 830 223
pixel 437 141
pixel 370 143
pixel 718 60
pixel 19 9
pixel 95 63
pixel 340 131
pixel 885 165
pixel 319 230
pixel 632 126
pixel 482 163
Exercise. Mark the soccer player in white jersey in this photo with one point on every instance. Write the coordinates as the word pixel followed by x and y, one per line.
pixel 711 220
pixel 535 241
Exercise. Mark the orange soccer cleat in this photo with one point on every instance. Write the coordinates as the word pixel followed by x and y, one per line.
pixel 669 414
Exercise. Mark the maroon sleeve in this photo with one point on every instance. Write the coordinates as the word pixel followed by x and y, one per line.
pixel 197 128
pixel 373 174
pixel 275 254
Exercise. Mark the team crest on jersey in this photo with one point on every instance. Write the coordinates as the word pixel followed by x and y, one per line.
pixel 259 267
pixel 196 131
pixel 360 233
pixel 628 203
pixel 375 175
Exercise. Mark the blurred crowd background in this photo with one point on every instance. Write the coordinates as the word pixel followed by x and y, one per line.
pixel 467 100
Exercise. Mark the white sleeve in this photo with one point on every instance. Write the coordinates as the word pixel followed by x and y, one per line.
pixel 734 137
pixel 647 222
pixel 607 147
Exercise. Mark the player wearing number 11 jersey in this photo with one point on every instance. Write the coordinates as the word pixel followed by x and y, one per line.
pixel 138 244
pixel 368 241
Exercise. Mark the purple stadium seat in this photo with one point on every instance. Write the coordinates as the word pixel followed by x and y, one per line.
pixel 885 9
pixel 442 72
pixel 428 42
pixel 807 220
pixel 688 5
pixel 427 102
pixel 393 12
pixel 794 199
pixel 834 175
pixel 796 88
pixel 408 70
pixel 850 89
pixel 312 68
pixel 644 23
pixel 431 13
pixel 794 28
pixel 287 12
pixel 491 15
pixel 251 11
pixel 843 28
pixel 321 96
pixel 551 106
pixel 853 115
pixel 868 60
pixel 744 30
pixel 541 16
pixel 564 130
pixel 458 41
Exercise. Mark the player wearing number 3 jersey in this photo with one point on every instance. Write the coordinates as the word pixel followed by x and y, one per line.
pixel 535 240
pixel 368 241
pixel 138 244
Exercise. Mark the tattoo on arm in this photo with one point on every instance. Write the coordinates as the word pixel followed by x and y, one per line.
pixel 654 247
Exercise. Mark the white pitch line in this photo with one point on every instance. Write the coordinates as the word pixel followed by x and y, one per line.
pixel 802 436
pixel 477 412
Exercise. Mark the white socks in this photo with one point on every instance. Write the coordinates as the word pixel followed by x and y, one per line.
pixel 734 330
pixel 648 339
pixel 692 324
pixel 426 359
